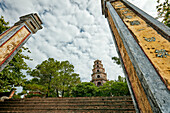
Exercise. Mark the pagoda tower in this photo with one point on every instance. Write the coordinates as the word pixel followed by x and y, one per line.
pixel 99 77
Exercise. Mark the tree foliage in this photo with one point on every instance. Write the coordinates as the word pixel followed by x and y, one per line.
pixel 116 60
pixel 163 9
pixel 85 89
pixel 33 85
pixel 45 71
pixel 115 88
pixel 54 77
pixel 121 79
pixel 12 75
pixel 110 88
pixel 3 25
pixel 105 90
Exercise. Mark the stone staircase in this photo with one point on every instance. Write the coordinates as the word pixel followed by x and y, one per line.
pixel 120 104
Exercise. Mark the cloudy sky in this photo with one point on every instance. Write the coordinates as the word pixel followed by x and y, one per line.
pixel 73 30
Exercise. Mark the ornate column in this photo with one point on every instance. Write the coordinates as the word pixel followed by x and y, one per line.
pixel 15 37
pixel 143 46
pixel 99 77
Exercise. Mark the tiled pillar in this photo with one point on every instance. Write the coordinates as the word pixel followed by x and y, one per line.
pixel 15 37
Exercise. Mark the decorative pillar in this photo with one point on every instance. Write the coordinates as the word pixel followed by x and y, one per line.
pixel 99 77
pixel 144 49
pixel 15 37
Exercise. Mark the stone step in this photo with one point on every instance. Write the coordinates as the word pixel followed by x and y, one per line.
pixel 67 102
pixel 44 100
pixel 14 106
pixel 69 105
pixel 75 98
pixel 71 110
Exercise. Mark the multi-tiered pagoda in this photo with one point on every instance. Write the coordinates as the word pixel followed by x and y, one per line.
pixel 99 77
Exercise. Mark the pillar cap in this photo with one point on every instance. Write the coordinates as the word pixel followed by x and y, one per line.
pixel 32 21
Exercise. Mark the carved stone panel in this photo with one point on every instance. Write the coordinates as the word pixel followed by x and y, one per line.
pixel 7 48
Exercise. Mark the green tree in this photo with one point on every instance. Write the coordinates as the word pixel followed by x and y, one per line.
pixel 57 77
pixel 106 90
pixel 114 88
pixel 110 88
pixel 121 79
pixel 119 89
pixel 85 89
pixel 67 77
pixel 12 75
pixel 3 25
pixel 34 85
pixel 163 9
pixel 71 82
pixel 45 71
pixel 116 60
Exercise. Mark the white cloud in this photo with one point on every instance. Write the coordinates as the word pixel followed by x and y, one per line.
pixel 73 30
pixel 149 6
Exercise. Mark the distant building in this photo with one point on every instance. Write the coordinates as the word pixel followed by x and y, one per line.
pixel 99 77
